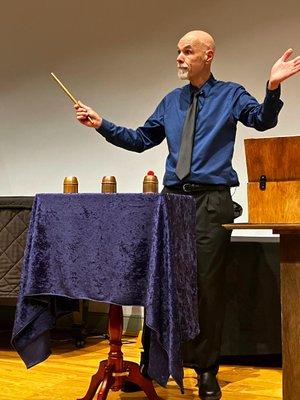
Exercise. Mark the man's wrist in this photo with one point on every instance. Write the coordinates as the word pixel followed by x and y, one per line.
pixel 99 123
pixel 273 85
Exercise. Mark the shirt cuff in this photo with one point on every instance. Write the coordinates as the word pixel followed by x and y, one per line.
pixel 105 128
pixel 275 93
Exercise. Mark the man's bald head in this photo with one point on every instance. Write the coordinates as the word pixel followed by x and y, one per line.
pixel 200 37
pixel 196 51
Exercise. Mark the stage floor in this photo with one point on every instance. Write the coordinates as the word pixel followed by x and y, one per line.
pixel 66 375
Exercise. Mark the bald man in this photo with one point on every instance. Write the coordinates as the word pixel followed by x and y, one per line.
pixel 212 108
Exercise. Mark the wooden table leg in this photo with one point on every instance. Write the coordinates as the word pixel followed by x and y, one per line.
pixel 106 384
pixel 113 372
pixel 290 310
pixel 96 380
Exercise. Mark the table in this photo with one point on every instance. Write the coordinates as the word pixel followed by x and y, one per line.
pixel 124 249
pixel 290 301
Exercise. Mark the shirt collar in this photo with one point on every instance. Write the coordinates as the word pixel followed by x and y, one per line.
pixel 205 88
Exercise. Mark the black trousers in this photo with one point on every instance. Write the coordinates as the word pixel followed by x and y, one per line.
pixel 213 208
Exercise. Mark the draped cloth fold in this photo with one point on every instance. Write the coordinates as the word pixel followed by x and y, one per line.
pixel 126 249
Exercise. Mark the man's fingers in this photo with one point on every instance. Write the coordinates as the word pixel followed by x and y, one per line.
pixel 82 117
pixel 79 108
pixel 82 105
pixel 86 115
pixel 297 60
pixel 287 54
pixel 82 114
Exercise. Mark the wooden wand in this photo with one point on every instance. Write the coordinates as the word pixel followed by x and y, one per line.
pixel 68 93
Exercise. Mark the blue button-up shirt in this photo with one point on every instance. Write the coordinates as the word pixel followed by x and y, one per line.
pixel 220 106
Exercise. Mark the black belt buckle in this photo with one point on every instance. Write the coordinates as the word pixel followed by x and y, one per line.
pixel 188 187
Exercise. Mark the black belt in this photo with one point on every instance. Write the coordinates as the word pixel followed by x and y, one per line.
pixel 197 187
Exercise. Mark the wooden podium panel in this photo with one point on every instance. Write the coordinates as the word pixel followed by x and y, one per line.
pixel 290 301
pixel 273 166
pixel 290 311
pixel 278 203
pixel 276 157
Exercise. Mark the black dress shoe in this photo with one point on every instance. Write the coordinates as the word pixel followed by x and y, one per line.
pixel 209 388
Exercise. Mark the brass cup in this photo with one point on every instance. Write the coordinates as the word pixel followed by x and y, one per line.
pixel 70 184
pixel 109 184
pixel 150 184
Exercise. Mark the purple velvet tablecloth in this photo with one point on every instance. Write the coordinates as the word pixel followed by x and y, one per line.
pixel 127 249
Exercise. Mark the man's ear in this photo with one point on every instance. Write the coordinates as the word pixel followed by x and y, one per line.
pixel 209 55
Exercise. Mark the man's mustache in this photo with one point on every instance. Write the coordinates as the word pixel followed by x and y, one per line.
pixel 183 67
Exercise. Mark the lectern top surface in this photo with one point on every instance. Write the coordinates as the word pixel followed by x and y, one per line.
pixel 277 227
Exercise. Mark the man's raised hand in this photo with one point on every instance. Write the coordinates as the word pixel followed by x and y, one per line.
pixel 283 69
pixel 82 114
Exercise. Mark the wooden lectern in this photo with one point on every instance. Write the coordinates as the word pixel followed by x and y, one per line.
pixel 273 166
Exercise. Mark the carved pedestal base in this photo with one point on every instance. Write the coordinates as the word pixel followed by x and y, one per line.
pixel 114 371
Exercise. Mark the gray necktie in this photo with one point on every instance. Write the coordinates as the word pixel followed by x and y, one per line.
pixel 183 166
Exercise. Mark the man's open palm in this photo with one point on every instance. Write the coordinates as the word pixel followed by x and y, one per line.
pixel 284 68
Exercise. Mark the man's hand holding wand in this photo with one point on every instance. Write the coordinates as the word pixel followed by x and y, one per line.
pixel 84 113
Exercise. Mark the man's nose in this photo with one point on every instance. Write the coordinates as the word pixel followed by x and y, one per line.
pixel 180 58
